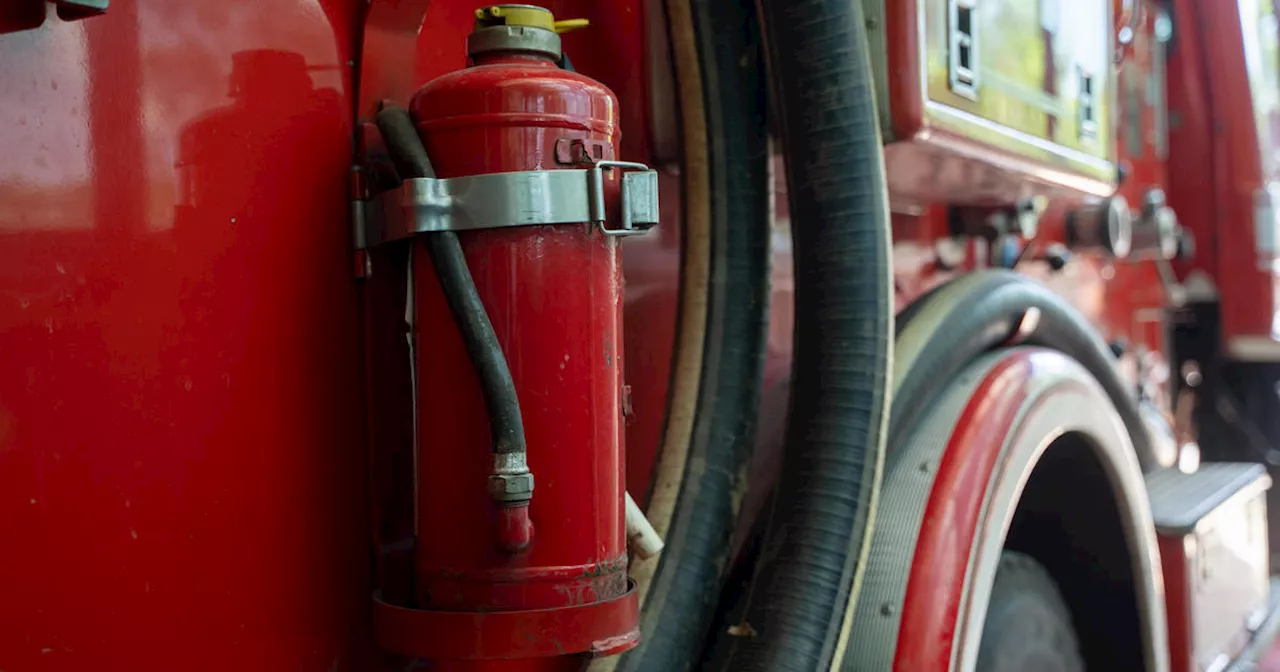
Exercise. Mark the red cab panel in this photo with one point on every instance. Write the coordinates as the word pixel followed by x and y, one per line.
pixel 180 410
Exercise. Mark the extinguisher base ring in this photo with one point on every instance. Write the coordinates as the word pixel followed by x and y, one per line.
pixel 599 629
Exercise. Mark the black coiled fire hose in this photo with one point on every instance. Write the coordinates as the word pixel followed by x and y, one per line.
pixel 819 524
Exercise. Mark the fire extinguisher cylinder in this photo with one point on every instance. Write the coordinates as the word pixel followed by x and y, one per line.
pixel 518 357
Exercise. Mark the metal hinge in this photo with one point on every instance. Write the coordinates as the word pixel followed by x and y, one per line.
pixel 361 265
pixel 502 200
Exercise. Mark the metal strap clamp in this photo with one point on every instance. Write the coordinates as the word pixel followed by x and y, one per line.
pixel 523 198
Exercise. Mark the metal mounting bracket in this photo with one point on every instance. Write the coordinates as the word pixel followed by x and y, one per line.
pixel 502 200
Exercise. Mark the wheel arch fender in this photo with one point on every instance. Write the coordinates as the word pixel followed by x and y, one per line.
pixel 1023 449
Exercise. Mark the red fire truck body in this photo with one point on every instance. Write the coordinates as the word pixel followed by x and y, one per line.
pixel 950 342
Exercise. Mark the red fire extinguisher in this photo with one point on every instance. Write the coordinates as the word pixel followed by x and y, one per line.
pixel 516 218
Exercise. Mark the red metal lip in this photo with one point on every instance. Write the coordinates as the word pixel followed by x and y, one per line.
pixel 600 629
pixel 519 120
pixel 935 586
pixel 525 574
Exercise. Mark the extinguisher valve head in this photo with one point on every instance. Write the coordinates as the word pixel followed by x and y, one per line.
pixel 515 15
pixel 517 28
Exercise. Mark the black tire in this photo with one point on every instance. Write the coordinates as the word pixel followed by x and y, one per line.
pixel 943 331
pixel 1028 625
pixel 704 477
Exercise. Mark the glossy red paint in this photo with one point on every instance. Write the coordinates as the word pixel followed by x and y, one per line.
pixel 1142 127
pixel 554 296
pixel 938 166
pixel 140 307
pixel 388 41
pixel 935 586
pixel 1216 133
pixel 508 640
pixel 1177 596
pixel 902 38
pixel 1123 298
pixel 180 409
pixel 1193 194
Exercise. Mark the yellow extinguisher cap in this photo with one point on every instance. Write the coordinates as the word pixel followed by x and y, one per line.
pixel 529 16
pixel 524 28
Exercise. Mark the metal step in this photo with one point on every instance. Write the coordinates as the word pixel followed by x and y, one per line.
pixel 1179 500
pixel 1212 529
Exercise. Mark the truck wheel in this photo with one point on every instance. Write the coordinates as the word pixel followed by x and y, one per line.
pixel 1028 626
pixel 943 331
pixel 992 467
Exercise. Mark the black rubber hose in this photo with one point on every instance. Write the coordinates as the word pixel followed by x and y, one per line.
pixel 945 330
pixel 505 422
pixel 683 593
pixel 819 524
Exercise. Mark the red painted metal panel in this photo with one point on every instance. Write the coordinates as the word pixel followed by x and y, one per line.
pixel 180 408
pixel 902 39
pixel 510 640
pixel 1216 132
pixel 1193 193
pixel 1177 596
